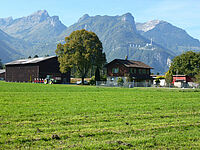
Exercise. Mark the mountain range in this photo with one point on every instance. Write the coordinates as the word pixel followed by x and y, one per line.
pixel 154 42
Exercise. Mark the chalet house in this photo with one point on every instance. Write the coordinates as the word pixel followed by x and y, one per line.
pixel 26 70
pixel 2 74
pixel 138 70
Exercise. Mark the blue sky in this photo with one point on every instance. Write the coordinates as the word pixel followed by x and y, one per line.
pixel 182 13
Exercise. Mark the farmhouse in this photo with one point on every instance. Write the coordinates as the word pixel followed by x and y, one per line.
pixel 2 74
pixel 26 70
pixel 139 71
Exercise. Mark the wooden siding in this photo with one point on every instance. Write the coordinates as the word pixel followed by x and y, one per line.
pixel 125 71
pixel 27 72
pixel 122 70
pixel 22 73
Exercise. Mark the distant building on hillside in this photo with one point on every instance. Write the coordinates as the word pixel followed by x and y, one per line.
pixel 26 70
pixel 139 71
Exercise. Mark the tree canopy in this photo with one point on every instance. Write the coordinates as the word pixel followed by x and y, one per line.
pixel 187 63
pixel 82 50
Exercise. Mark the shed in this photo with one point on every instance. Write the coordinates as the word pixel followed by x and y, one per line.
pixel 26 70
pixel 2 74
pixel 182 80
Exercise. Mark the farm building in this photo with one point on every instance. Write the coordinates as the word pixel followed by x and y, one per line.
pixel 138 70
pixel 182 81
pixel 2 74
pixel 26 70
pixel 161 79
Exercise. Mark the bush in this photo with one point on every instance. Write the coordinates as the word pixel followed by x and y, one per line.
pixel 120 82
pixel 104 78
pixel 92 81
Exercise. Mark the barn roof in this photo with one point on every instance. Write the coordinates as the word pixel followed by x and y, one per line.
pixel 29 61
pixel 131 63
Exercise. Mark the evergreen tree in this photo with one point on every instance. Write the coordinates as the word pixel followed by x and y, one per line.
pixel 97 74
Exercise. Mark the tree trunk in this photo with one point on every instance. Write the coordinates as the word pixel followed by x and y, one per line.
pixel 82 78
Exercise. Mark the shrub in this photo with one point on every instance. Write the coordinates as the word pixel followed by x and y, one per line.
pixel 92 81
pixel 104 78
pixel 120 82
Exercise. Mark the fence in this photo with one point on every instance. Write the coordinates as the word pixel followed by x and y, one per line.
pixel 143 84
pixel 125 84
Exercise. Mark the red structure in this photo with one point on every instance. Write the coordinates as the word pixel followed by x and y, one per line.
pixel 181 78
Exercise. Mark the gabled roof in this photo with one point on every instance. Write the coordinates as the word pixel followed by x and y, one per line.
pixel 130 63
pixel 29 61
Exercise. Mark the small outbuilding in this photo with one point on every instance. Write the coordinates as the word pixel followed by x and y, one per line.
pixel 26 70
pixel 182 81
pixel 2 74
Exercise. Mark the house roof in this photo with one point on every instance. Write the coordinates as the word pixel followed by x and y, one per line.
pixel 179 75
pixel 2 71
pixel 131 63
pixel 29 61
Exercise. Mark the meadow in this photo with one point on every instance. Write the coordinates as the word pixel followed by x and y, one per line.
pixel 38 116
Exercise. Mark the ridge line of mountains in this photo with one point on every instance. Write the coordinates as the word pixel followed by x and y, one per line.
pixel 154 42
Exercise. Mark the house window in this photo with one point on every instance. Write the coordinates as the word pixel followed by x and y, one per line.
pixel 140 71
pixel 147 71
pixel 115 70
pixel 143 71
pixel 133 70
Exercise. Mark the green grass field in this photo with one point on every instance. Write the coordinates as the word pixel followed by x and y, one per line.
pixel 86 117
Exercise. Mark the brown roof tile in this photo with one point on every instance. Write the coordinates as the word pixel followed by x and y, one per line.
pixel 132 63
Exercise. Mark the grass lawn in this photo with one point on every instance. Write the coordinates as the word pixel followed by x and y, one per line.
pixel 37 116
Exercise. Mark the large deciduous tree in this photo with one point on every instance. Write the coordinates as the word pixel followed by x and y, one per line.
pixel 82 50
pixel 187 63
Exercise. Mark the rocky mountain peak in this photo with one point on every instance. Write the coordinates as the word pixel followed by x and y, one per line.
pixel 129 19
pixel 6 21
pixel 84 17
pixel 54 20
pixel 148 25
pixel 41 13
pixel 38 16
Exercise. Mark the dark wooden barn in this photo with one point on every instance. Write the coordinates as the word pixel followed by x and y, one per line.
pixel 26 70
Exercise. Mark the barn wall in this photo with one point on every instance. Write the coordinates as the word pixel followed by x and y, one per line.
pixel 21 73
pixel 28 72
pixel 51 67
